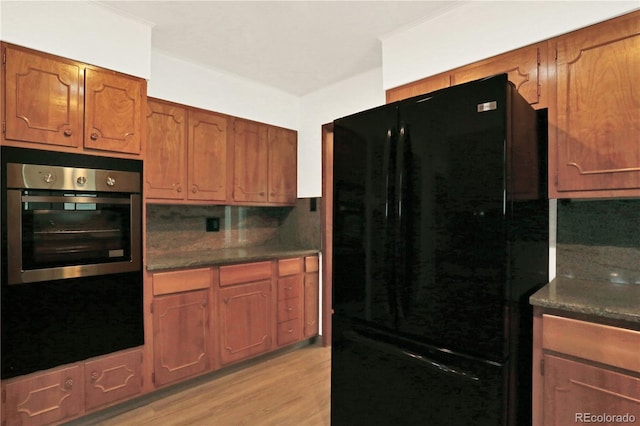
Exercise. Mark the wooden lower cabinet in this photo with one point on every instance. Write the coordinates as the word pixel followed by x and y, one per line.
pixel 575 392
pixel 112 378
pixel 311 296
pixel 245 320
pixel 45 398
pixel 181 336
pixel 290 309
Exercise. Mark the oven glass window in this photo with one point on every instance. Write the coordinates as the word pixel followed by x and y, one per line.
pixel 64 229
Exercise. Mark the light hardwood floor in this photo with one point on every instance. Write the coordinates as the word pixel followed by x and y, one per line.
pixel 290 389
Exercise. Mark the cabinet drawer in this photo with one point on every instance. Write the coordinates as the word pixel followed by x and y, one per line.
pixel 311 264
pixel 289 266
pixel 289 332
pixel 288 309
pixel 244 273
pixel 177 281
pixel 289 287
pixel 596 342
pixel 112 378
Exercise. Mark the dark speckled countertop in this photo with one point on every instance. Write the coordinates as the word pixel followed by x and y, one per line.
pixel 202 258
pixel 597 298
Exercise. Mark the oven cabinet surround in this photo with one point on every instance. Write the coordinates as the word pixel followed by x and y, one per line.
pixel 583 368
pixel 66 392
pixel 204 157
pixel 594 117
pixel 587 79
pixel 59 104
pixel 526 68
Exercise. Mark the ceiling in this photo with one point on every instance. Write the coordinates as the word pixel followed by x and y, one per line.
pixel 295 46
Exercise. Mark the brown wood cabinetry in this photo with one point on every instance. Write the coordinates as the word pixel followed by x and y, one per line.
pixel 290 301
pixel 526 68
pixel 59 102
pixel 245 311
pixel 207 155
pixel 112 378
pixel 264 163
pixel 594 115
pixel 45 398
pixel 311 295
pixel 583 369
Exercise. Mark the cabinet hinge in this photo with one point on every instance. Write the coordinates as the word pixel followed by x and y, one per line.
pixel 153 378
pixel 542 367
pixel 4 127
pixel 4 56
pixel 538 53
pixel 151 307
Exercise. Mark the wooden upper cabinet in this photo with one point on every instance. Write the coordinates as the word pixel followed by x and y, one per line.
pixel 113 112
pixel 250 161
pixel 420 87
pixel 207 155
pixel 523 66
pixel 283 161
pixel 594 123
pixel 165 165
pixel 59 102
pixel 42 99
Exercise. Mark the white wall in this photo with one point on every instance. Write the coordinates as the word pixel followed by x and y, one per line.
pixel 481 29
pixel 81 31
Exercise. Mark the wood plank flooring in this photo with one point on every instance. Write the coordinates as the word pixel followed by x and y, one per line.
pixel 290 389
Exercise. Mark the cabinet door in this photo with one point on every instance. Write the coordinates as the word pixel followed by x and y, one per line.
pixel 283 166
pixel 595 123
pixel 181 335
pixel 521 65
pixel 165 165
pixel 45 398
pixel 42 99
pixel 112 378
pixel 574 392
pixel 113 112
pixel 207 166
pixel 311 310
pixel 246 326
pixel 250 155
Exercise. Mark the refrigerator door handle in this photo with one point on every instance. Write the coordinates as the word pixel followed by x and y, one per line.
pixel 400 246
pixel 389 234
pixel 404 353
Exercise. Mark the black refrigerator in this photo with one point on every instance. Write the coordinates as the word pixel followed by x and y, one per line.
pixel 440 235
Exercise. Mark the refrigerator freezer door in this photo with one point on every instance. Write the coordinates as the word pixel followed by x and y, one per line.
pixel 380 382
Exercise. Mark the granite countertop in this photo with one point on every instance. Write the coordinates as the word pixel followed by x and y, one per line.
pixel 598 298
pixel 203 258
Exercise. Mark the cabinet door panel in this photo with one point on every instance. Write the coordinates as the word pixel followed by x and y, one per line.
pixel 207 156
pixel 112 378
pixel 573 390
pixel 165 165
pixel 311 309
pixel 250 153
pixel 45 398
pixel 43 101
pixel 245 320
pixel 598 107
pixel 283 169
pixel 113 112
pixel 181 335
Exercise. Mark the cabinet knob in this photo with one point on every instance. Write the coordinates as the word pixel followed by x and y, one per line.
pixel 94 136
pixel 68 132
pixel 204 303
pixel 111 181
pixel 262 194
pixel 94 376
pixel 194 189
pixel 179 189
pixel 68 384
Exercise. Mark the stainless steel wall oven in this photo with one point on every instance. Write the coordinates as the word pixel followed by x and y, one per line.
pixel 71 258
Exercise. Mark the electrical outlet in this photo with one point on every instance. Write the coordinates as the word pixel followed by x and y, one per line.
pixel 213 224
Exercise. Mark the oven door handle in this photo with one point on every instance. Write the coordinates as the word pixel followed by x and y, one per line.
pixel 86 200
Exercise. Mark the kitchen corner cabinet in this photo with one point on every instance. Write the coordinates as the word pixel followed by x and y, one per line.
pixel 245 309
pixel 311 295
pixel 264 164
pixel 583 368
pixel 186 153
pixel 58 102
pixel 526 68
pixel 182 340
pixel 594 118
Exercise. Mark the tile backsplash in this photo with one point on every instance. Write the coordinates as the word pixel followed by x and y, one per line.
pixel 173 228
pixel 599 240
